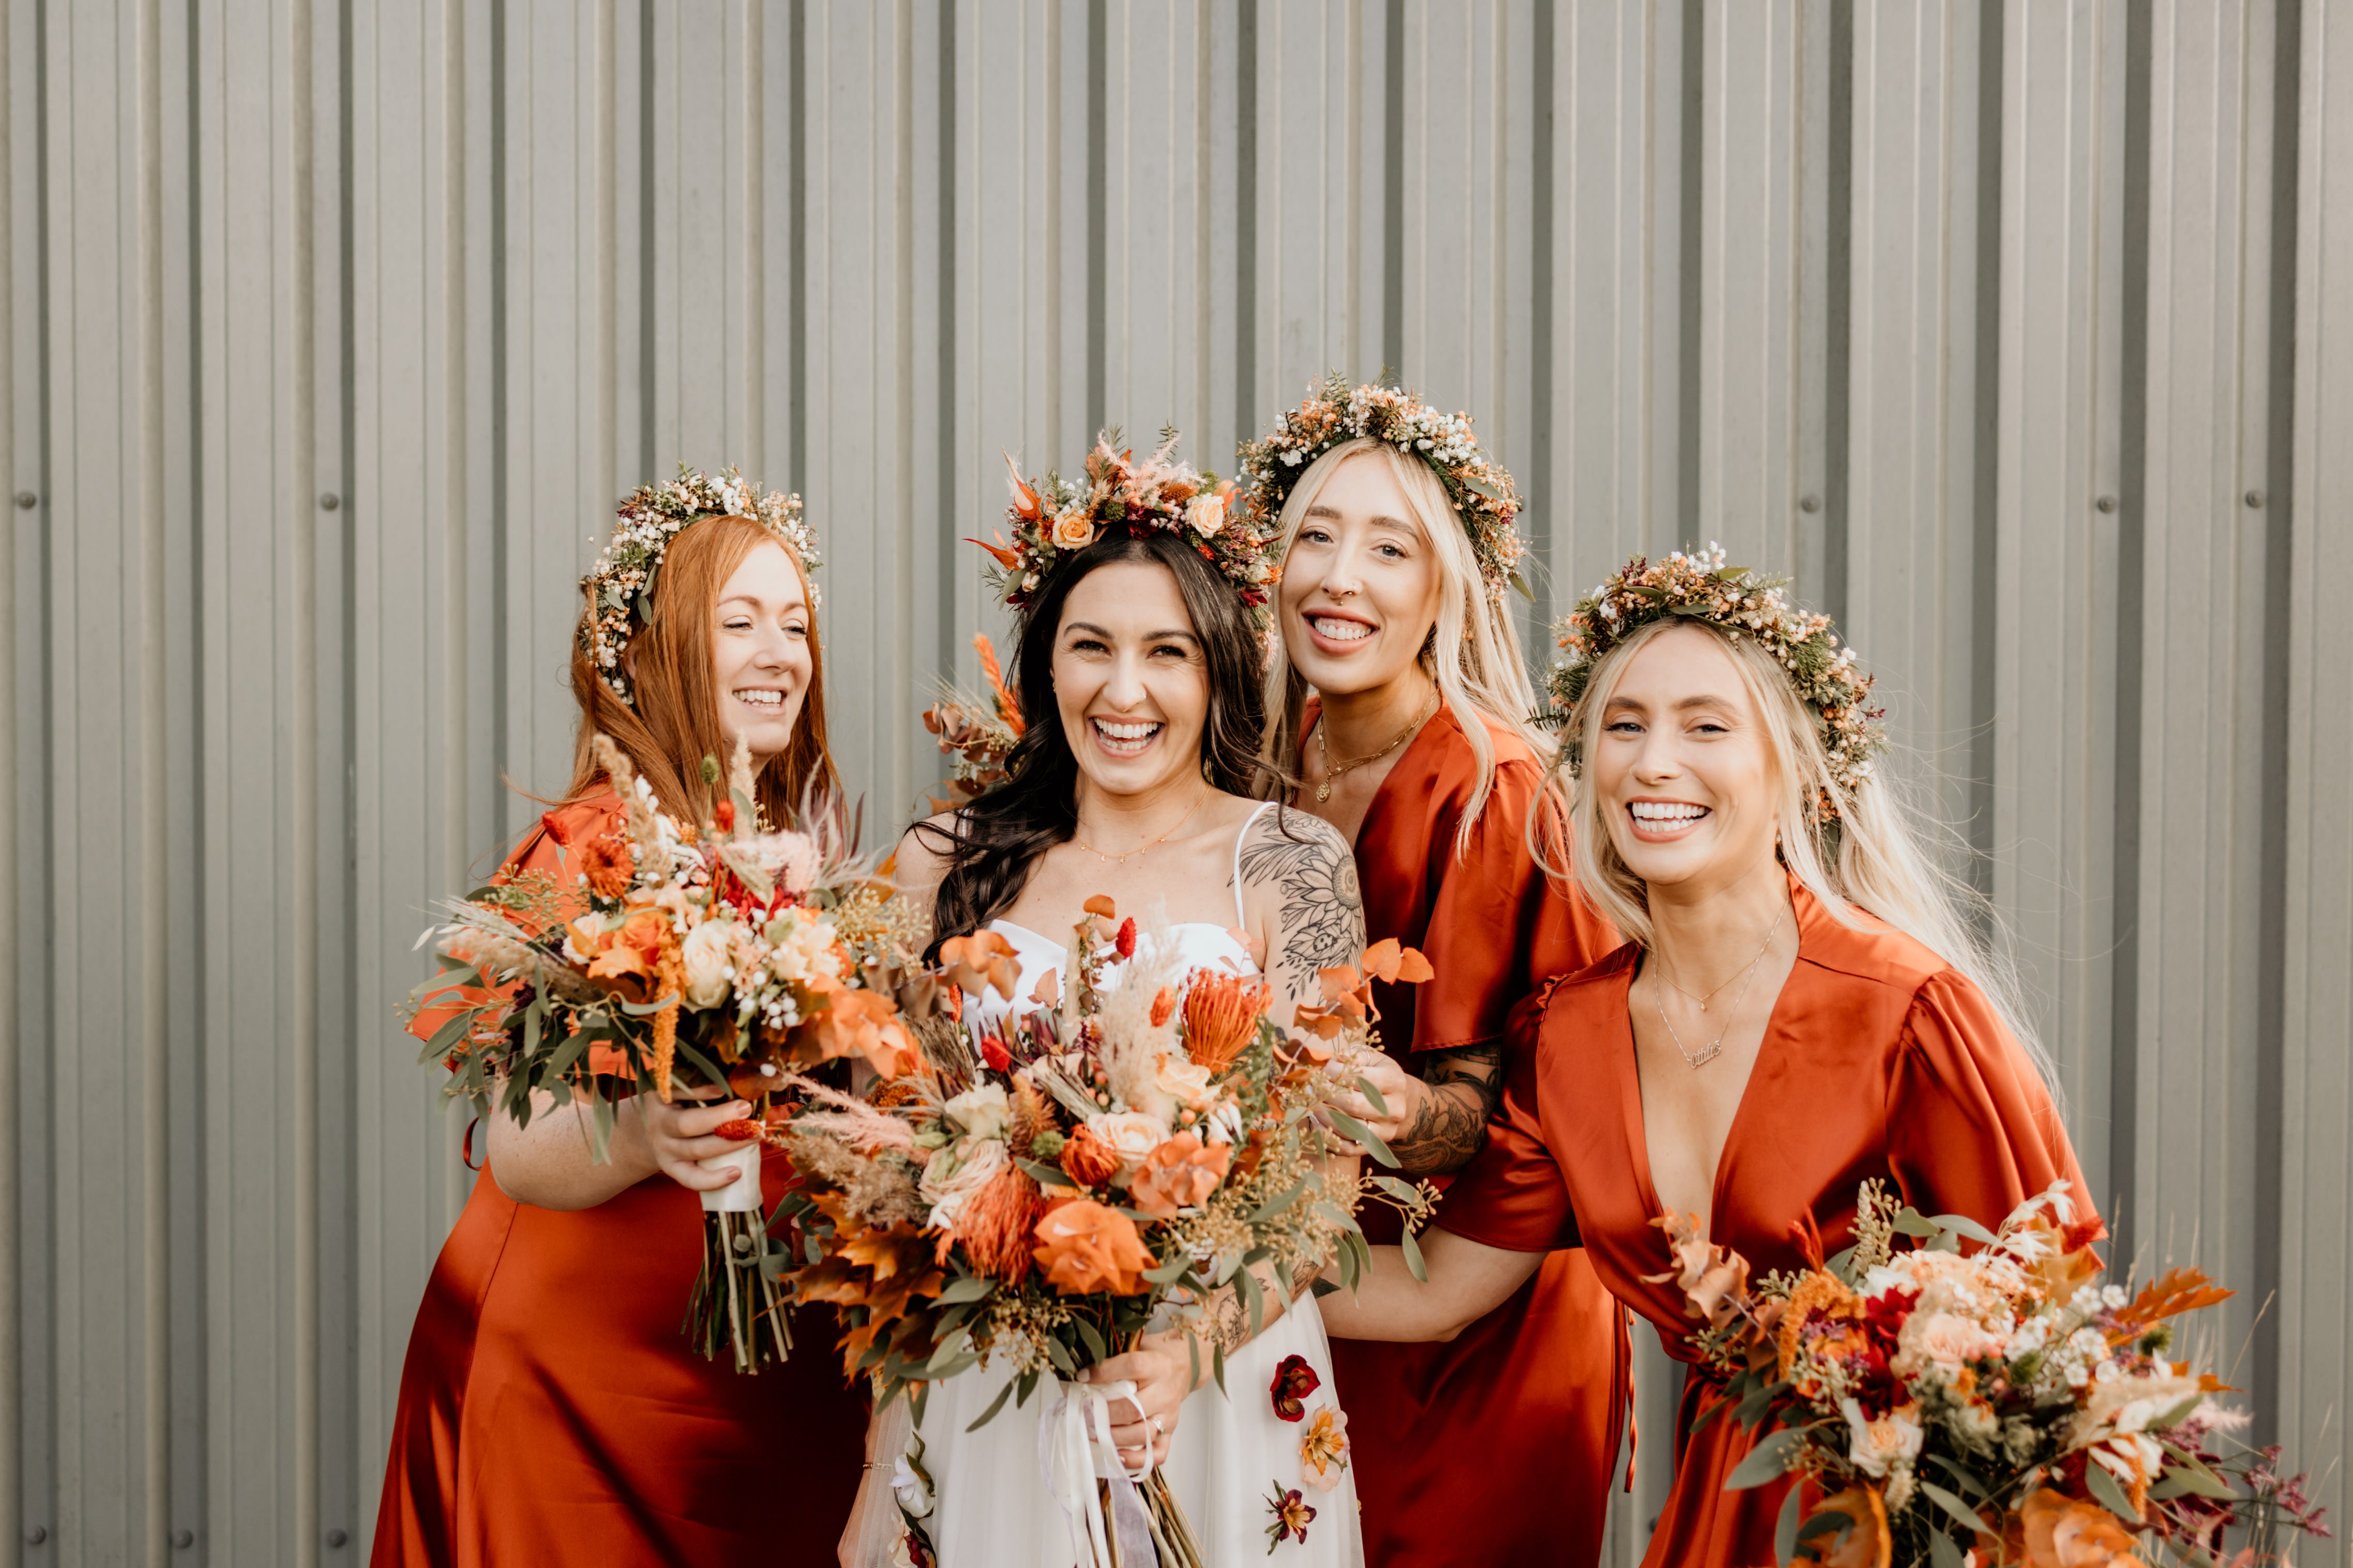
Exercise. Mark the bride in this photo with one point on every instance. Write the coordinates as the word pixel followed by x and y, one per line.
pixel 1138 668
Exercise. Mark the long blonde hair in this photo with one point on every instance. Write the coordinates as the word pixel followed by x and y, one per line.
pixel 1485 680
pixel 1875 855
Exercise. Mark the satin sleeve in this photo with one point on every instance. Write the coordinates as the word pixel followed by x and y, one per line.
pixel 1971 1127
pixel 1498 928
pixel 1513 1194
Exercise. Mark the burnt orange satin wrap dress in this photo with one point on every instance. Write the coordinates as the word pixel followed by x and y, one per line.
pixel 551 1412
pixel 1878 1061
pixel 1499 1445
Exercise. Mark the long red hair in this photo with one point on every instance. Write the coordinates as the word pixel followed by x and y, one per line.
pixel 675 722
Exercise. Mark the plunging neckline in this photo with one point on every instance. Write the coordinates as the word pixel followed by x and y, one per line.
pixel 1631 1095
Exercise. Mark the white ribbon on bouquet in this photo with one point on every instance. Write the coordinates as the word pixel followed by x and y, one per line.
pixel 1074 1448
pixel 744 1192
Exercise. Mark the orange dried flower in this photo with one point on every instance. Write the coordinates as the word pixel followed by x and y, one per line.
pixel 1180 1173
pixel 997 1222
pixel 2063 1532
pixel 1164 1006
pixel 740 1130
pixel 1221 1014
pixel 1085 1247
pixel 1088 1159
pixel 606 867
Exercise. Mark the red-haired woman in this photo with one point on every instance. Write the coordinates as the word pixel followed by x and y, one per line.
pixel 551 1410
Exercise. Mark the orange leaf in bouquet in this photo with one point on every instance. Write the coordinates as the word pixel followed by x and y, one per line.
pixel 1389 961
pixel 1007 707
pixel 1221 1014
pixel 1085 1247
pixel 2177 1292
pixel 1180 1173
pixel 2062 1531
pixel 861 1022
pixel 1864 1543
pixel 626 961
pixel 1714 1280
pixel 981 962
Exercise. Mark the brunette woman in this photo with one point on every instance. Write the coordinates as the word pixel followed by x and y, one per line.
pixel 1802 1004
pixel 1137 670
pixel 551 1410
pixel 1398 539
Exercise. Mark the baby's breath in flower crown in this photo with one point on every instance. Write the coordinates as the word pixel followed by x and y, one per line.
pixel 1051 518
pixel 621 584
pixel 1482 492
pixel 1701 587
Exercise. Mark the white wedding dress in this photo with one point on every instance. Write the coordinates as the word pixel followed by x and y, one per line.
pixel 1229 1453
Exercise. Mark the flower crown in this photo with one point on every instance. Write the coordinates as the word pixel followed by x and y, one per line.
pixel 1701 587
pixel 1051 518
pixel 620 586
pixel 1483 494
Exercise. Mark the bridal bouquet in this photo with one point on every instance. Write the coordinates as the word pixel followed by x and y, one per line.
pixel 1047 1185
pixel 2002 1407
pixel 729 956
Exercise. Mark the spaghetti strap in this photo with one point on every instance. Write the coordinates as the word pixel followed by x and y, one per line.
pixel 1241 919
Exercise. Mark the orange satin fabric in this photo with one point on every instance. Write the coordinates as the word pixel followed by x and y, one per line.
pixel 550 1411
pixel 1531 1389
pixel 1879 1060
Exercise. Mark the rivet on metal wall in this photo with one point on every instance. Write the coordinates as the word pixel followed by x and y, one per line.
pixel 329 500
pixel 2255 499
pixel 336 1538
pixel 2106 503
pixel 183 1539
pixel 26 501
pixel 1809 503
pixel 36 1535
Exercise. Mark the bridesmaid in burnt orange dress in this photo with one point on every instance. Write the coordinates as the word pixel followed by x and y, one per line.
pixel 1430 766
pixel 1802 1005
pixel 550 1411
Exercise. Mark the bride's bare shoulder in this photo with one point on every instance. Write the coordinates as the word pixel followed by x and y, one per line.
pixel 919 861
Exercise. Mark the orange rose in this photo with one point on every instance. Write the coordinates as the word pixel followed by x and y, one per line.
pixel 1085 1247
pixel 626 961
pixel 1865 1543
pixel 2063 1532
pixel 1180 1173
pixel 1088 1159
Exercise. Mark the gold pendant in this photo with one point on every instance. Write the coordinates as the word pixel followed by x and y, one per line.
pixel 1323 790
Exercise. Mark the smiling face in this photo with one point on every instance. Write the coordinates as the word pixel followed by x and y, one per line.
pixel 760 651
pixel 1360 585
pixel 1682 770
pixel 1130 679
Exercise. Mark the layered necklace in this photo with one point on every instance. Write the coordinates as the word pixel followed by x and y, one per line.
pixel 1331 771
pixel 1714 1048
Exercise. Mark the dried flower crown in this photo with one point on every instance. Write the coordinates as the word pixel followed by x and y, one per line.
pixel 1483 494
pixel 1051 518
pixel 1701 587
pixel 620 586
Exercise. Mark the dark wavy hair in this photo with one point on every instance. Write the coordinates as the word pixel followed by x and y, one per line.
pixel 997 839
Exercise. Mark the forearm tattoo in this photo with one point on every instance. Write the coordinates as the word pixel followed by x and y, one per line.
pixel 1224 1321
pixel 1323 911
pixel 1465 1086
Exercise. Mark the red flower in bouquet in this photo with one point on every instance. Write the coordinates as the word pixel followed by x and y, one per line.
pixel 1294 1380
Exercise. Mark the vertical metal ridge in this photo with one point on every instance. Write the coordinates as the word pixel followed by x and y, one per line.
pixel 2279 551
pixel 1838 355
pixel 646 231
pixel 502 763
pixel 1203 200
pixel 1393 188
pixel 903 396
pixel 46 719
pixel 348 1016
pixel 153 833
pixel 949 468
pixel 1352 296
pixel 1985 555
pixel 1053 229
pixel 1498 237
pixel 303 1026
pixel 754 335
pixel 1246 221
pixel 1098 214
pixel 12 1350
pixel 1547 546
pixel 1688 279
pixel 608 257
pixel 796 249
pixel 2132 550
pixel 454 772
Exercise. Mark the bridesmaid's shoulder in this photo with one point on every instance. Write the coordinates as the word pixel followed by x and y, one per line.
pixel 1569 999
pixel 1865 948
pixel 569 824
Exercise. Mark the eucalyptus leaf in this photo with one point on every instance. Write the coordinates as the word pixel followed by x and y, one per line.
pixel 949 1349
pixel 970 1288
pixel 1962 1513
pixel 1349 1127
pixel 2108 1492
pixel 1092 1337
pixel 1912 1222
pixel 1961 1473
pixel 994 1406
pixel 1521 584
pixel 1412 1250
pixel 1372 1096
pixel 1767 1462
pixel 1963 1226
pixel 1784 1529
pixel 1275 1205
pixel 1829 1521
pixel 1943 1553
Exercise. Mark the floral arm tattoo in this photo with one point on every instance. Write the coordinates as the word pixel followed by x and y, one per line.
pixel 1465 1086
pixel 1322 913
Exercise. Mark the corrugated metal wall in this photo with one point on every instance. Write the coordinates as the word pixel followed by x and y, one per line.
pixel 2019 332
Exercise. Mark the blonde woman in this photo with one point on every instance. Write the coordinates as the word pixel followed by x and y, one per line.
pixel 1801 1004
pixel 1398 699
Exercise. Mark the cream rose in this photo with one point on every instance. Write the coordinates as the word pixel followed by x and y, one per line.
pixel 1132 1134
pixel 981 1112
pixel 1074 530
pixel 1180 1078
pixel 703 955
pixel 955 1172
pixel 1205 514
pixel 1891 1442
pixel 1945 1340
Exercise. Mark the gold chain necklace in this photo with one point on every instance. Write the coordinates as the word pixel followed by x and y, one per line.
pixel 1716 1047
pixel 1148 843
pixel 1323 749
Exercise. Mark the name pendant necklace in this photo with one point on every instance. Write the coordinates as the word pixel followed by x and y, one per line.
pixel 1716 1047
